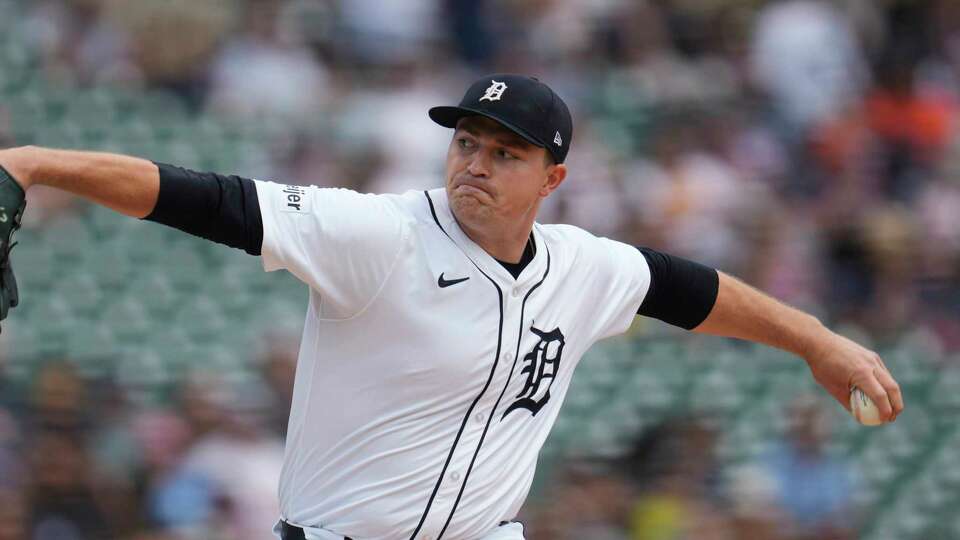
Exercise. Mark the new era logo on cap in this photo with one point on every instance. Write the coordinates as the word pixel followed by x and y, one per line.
pixel 522 104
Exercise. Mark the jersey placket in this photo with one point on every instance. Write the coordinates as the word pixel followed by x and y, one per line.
pixel 455 484
pixel 515 296
pixel 452 487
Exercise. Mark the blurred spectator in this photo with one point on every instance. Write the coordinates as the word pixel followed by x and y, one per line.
pixel 912 124
pixel 162 440
pixel 937 206
pixel 658 73
pixel 199 406
pixel 61 493
pixel 11 470
pixel 675 466
pixel 243 503
pixel 590 501
pixel 805 55
pixel 189 31
pixel 58 399
pixel 595 196
pixel 754 510
pixel 81 42
pixel 814 488
pixel 688 199
pixel 386 32
pixel 116 458
pixel 386 117
pixel 264 74
pixel 470 30
pixel 871 282
pixel 13 515
pixel 783 255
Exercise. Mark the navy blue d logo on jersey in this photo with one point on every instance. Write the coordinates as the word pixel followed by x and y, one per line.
pixel 541 367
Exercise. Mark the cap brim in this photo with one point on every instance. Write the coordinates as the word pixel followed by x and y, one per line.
pixel 448 117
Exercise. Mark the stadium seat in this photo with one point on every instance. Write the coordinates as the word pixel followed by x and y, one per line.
pixel 945 393
pixel 128 320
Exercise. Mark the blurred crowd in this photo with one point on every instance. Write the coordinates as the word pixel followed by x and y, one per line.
pixel 80 459
pixel 807 146
pixel 671 486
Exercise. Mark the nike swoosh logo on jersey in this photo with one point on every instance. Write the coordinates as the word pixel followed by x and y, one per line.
pixel 448 282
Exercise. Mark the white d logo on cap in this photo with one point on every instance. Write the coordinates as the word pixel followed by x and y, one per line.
pixel 494 91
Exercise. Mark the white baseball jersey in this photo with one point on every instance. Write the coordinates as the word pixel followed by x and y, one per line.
pixel 428 377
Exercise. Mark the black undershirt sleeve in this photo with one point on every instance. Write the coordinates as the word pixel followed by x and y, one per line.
pixel 224 209
pixel 682 292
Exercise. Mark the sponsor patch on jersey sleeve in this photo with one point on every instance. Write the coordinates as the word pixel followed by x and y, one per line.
pixel 295 199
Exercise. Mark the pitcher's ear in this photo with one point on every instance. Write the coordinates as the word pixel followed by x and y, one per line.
pixel 555 176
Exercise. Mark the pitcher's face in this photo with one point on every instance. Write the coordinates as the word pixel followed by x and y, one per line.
pixel 494 176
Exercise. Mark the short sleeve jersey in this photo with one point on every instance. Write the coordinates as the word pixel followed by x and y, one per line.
pixel 429 377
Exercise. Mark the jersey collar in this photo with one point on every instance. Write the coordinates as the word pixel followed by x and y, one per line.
pixel 530 275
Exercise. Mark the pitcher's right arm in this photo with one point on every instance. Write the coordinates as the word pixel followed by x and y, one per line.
pixel 216 207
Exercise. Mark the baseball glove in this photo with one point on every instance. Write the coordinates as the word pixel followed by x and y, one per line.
pixel 12 203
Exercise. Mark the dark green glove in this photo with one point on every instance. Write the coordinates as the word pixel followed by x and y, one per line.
pixel 12 203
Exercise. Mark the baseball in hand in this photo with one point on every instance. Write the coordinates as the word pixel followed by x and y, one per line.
pixel 863 409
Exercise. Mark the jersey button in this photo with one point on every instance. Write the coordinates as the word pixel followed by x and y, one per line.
pixel 455 476
pixel 478 417
pixel 516 292
pixel 507 357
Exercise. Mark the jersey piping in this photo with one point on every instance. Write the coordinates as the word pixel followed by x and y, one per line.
pixel 493 413
pixel 493 370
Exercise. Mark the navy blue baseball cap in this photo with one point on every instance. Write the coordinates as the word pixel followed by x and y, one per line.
pixel 522 104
